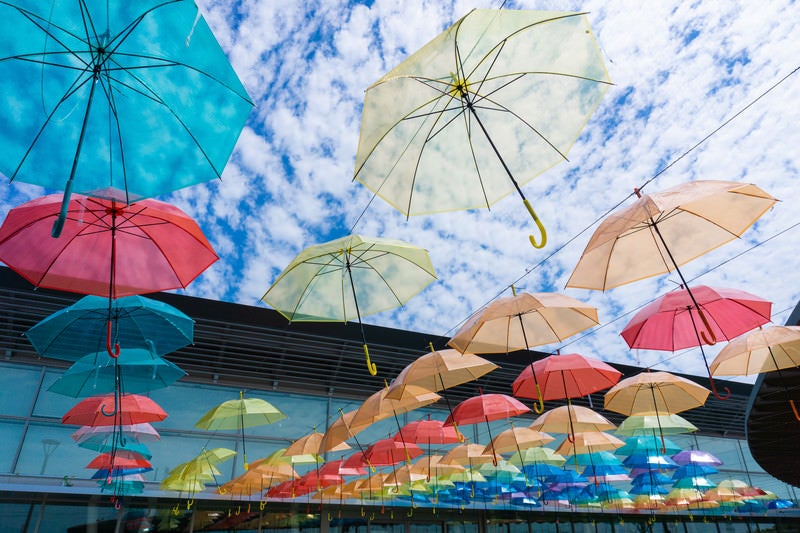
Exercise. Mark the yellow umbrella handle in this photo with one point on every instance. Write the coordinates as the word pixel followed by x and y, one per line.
pixel 538 407
pixel 539 225
pixel 373 370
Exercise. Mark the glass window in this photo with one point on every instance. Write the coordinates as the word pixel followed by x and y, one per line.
pixel 18 385
pixel 10 435
pixel 49 450
pixel 49 403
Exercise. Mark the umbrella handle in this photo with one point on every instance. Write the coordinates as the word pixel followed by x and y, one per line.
pixel 410 512
pixel 794 410
pixel 113 412
pixel 115 353
pixel 58 225
pixel 373 370
pixel 262 504
pixel 539 225
pixel 716 394
pixel 713 340
pixel 538 407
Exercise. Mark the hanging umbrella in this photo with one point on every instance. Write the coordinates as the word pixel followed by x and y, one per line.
pixel 660 392
pixel 136 322
pixel 378 406
pixel 341 430
pixel 388 452
pixel 238 415
pixel 349 278
pixel 571 419
pixel 495 100
pixel 439 370
pixel 97 373
pixel 120 459
pixel 107 248
pixel 770 349
pixel 427 431
pixel 647 443
pixel 648 423
pixel 564 377
pixel 589 442
pixel 143 432
pixel 310 445
pixel 522 321
pixel 516 439
pixel 131 100
pixel 129 409
pixel 671 322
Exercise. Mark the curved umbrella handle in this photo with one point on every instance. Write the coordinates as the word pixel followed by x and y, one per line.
pixel 262 504
pixel 713 340
pixel 794 410
pixel 115 353
pixel 114 411
pixel 410 512
pixel 373 370
pixel 539 225
pixel 716 394
pixel 538 407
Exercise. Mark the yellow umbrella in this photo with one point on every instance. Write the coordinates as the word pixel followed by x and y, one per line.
pixel 660 392
pixel 648 423
pixel 589 442
pixel 348 278
pixel 539 455
pixel 660 232
pixel 495 100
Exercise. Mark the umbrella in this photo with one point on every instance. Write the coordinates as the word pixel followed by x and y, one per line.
pixel 439 370
pixel 341 430
pixel 495 100
pixel 137 370
pixel 107 248
pixel 564 376
pixel 129 409
pixel 662 231
pixel 379 406
pixel 522 321
pixel 349 278
pixel 571 419
pixel 516 439
pixel 770 349
pixel 696 457
pixel 647 423
pixel 136 322
pixel 388 452
pixel 427 431
pixel 589 442
pixel 670 322
pixel 142 432
pixel 240 414
pixel 119 460
pixel 132 100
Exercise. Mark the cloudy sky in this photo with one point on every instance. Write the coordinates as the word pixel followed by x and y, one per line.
pixel 702 90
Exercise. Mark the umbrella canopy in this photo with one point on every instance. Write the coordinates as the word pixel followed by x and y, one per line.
pixel 655 392
pixel 564 376
pixel 673 322
pixel 439 370
pixel 128 409
pixel 660 232
pixel 763 350
pixel 136 99
pixel 467 455
pixel 571 419
pixel 388 452
pixel 650 423
pixel 341 430
pixel 136 322
pixel 696 457
pixel 522 321
pixel 515 439
pixel 119 460
pixel 646 444
pixel 379 406
pixel 106 248
pixel 310 445
pixel 349 278
pixel 587 442
pixel 485 408
pixel 142 432
pixel 428 431
pixel 451 126
pixel 136 371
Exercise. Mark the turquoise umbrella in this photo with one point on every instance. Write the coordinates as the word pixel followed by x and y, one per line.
pixel 135 371
pixel 119 100
pixel 93 323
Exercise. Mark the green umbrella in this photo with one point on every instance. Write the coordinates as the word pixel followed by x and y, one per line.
pixel 123 100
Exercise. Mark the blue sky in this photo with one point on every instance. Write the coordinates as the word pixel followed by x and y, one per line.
pixel 680 71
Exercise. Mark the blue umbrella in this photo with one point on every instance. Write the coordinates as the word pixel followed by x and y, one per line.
pixel 135 371
pixel 119 100
pixel 647 444
pixel 693 471
pixel 134 322
pixel 106 473
pixel 780 504
pixel 122 445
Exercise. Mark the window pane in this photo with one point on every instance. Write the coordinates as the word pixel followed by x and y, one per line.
pixel 18 389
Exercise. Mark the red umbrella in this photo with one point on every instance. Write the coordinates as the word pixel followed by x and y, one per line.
pixel 565 376
pixel 337 468
pixel 388 452
pixel 485 408
pixel 672 321
pixel 120 459
pixel 106 248
pixel 128 409
pixel 696 316
pixel 427 431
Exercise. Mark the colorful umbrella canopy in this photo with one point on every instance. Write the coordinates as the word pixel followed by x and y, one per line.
pixel 349 278
pixel 662 231
pixel 119 460
pixel 310 445
pixel 646 444
pixel 587 442
pixel 763 350
pixel 522 321
pixel 240 414
pixel 564 376
pixel 379 406
pixel 143 432
pixel 439 370
pixel 650 423
pixel 427 431
pixel 659 392
pixel 106 248
pixel 128 409
pixel 571 419
pixel 468 454
pixel 340 431
pixel 137 370
pixel 485 408
pixel 478 89
pixel 676 320
pixel 696 457
pixel 115 80
pixel 388 452
pixel 516 439
pixel 136 322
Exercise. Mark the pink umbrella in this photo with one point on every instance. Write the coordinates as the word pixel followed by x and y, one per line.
pixel 695 316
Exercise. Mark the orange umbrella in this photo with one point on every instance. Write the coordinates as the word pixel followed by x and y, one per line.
pixel 587 442
pixel 379 406
pixel 467 454
pixel 340 430
pixel 516 439
pixel 660 392
pixel 571 419
pixel 439 370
